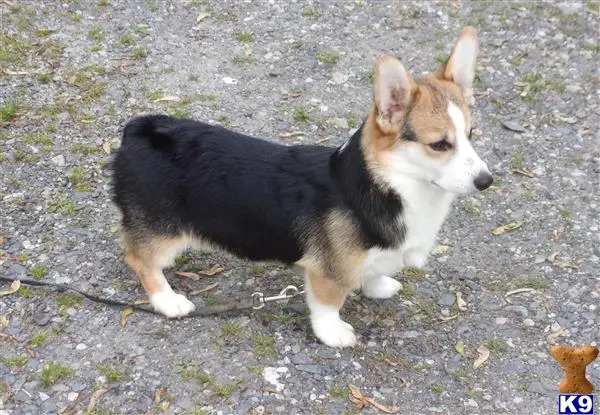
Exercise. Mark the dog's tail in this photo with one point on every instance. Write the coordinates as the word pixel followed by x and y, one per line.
pixel 153 128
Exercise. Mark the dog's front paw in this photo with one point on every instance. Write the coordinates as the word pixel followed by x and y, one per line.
pixel 415 258
pixel 171 304
pixel 381 287
pixel 334 332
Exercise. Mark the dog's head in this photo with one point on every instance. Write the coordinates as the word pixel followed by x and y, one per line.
pixel 421 128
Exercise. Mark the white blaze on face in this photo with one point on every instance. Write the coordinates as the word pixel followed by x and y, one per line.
pixel 458 174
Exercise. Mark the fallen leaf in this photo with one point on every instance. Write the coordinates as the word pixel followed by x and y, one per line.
pixel 390 361
pixel 8 337
pixel 568 120
pixel 202 16
pixel 462 304
pixel 140 302
pixel 30 351
pixel 439 249
pixel 447 318
pixel 14 287
pixel 248 49
pixel 356 397
pixel 191 275
pixel 287 95
pixel 94 398
pixel 404 382
pixel 460 348
pixel 553 336
pixel 507 227
pixel 124 314
pixel 207 288
pixel 517 291
pixel 554 261
pixel 524 171
pixel 383 408
pixel 167 98
pixel 4 321
pixel 15 73
pixel 291 134
pixel 212 271
pixel 159 394
pixel 271 390
pixel 484 354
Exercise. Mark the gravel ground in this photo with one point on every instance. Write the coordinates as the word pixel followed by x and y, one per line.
pixel 75 71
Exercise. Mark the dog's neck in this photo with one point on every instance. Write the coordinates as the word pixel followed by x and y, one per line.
pixel 378 210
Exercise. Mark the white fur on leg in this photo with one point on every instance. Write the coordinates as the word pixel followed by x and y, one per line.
pixel 329 327
pixel 380 287
pixel 171 304
pixel 416 258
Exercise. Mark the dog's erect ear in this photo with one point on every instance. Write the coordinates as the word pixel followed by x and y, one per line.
pixel 460 66
pixel 392 93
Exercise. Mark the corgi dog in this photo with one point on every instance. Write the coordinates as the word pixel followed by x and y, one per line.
pixel 350 216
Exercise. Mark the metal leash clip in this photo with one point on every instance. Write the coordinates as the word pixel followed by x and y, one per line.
pixel 259 300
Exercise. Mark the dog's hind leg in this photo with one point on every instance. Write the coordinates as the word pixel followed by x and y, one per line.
pixel 148 259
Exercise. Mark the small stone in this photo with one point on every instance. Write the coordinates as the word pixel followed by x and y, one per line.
pixel 446 299
pixel 81 346
pixel 59 160
pixel 229 80
pixel 513 126
pixel 471 403
pixel 517 309
pixel 501 320
pixel 339 123
pixel 27 245
pixel 518 400
pixel 71 396
pixel 16 270
pixel 43 396
pixel 529 322
pixel 339 78
pixel 316 369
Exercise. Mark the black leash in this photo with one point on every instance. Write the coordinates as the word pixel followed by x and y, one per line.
pixel 258 300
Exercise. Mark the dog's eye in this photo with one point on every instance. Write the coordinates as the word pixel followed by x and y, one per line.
pixel 442 145
pixel 470 133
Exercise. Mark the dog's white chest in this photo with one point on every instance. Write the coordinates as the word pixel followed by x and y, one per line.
pixel 424 213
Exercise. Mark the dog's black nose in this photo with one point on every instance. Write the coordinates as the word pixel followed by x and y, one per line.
pixel 483 180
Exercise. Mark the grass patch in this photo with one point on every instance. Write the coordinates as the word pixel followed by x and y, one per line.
pixel 39 271
pixel 516 161
pixel 53 372
pixel 15 361
pixel 192 373
pixel 353 120
pixel 139 52
pixel 37 139
pixel 564 212
pixel 415 273
pixel 255 369
pixel 408 291
pixel 25 292
pixel 296 44
pixel 96 34
pixel 226 17
pixel 369 76
pixel 436 388
pixel 258 270
pixel 111 374
pixel 264 345
pixel 230 329
pixel 90 89
pixel 77 177
pixel 141 30
pixel 64 205
pixel 127 40
pixel 532 282
pixel 470 208
pixel 83 149
pixel 243 59
pixel 338 391
pixel 68 300
pixel 245 37
pixel 309 12
pixel 44 78
pixel 328 57
pixel 8 112
pixel 497 346
pixel 301 114
pixel 224 390
pixel 38 339
pixel 42 32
